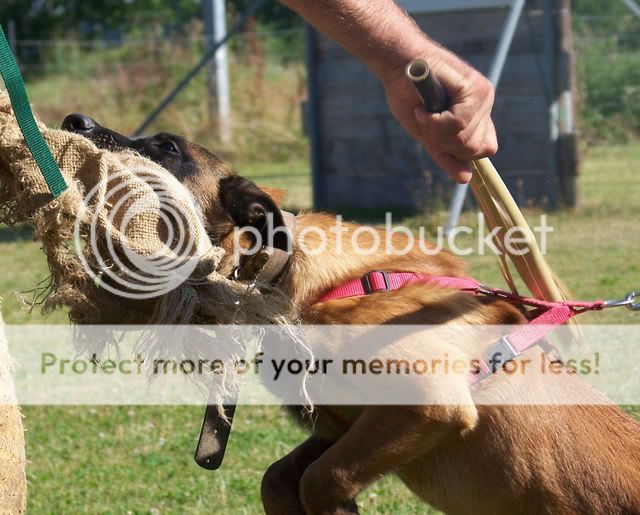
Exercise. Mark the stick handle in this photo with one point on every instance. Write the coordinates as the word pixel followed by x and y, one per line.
pixel 491 192
pixel 529 261
pixel 428 86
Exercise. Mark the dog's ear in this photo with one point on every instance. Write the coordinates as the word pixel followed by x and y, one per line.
pixel 278 195
pixel 249 206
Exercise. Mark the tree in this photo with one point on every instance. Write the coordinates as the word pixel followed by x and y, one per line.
pixel 51 19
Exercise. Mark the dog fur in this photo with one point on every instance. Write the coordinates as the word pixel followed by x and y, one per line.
pixel 458 458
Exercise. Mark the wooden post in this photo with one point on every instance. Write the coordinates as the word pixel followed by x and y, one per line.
pixel 13 481
pixel 568 153
pixel 549 44
pixel 312 119
pixel 218 89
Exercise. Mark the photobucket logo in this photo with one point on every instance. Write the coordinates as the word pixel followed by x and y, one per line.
pixel 138 234
pixel 340 238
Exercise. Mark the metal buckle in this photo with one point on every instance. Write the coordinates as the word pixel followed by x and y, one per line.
pixel 366 283
pixel 501 352
pixel 628 302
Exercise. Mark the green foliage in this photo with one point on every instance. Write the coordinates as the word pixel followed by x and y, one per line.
pixel 598 8
pixel 272 15
pixel 50 19
pixel 607 43
pixel 610 93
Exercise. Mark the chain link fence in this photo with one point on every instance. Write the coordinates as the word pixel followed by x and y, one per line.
pixel 119 80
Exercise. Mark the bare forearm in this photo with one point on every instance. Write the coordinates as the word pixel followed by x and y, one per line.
pixel 378 32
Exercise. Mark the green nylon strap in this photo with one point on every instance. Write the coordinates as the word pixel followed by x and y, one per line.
pixel 20 102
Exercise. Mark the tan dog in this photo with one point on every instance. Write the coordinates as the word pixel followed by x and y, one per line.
pixel 458 458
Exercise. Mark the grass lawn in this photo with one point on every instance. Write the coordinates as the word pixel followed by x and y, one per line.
pixel 139 459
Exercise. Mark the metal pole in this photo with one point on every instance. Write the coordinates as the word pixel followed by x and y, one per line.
pixel 237 25
pixel 495 73
pixel 635 8
pixel 219 98
pixel 12 38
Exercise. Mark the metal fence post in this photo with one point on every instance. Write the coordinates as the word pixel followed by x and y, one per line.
pixel 495 73
pixel 218 88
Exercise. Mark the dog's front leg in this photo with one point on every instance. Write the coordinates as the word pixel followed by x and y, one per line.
pixel 280 485
pixel 382 439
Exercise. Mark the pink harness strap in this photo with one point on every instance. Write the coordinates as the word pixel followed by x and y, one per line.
pixel 379 280
pixel 552 314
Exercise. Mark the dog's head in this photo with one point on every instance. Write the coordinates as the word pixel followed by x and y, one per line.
pixel 226 199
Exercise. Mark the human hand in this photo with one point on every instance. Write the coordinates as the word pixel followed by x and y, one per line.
pixel 465 131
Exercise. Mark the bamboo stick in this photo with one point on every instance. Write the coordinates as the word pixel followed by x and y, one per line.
pixel 528 261
pixel 496 202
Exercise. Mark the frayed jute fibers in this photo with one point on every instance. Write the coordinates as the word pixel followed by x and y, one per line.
pixel 88 236
pixel 13 481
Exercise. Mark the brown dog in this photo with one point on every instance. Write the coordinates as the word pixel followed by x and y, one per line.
pixel 459 458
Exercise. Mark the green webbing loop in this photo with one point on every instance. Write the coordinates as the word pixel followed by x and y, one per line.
pixel 20 102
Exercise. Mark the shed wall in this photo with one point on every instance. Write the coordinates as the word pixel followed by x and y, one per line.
pixel 364 159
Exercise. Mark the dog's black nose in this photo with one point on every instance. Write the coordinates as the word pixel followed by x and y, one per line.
pixel 78 123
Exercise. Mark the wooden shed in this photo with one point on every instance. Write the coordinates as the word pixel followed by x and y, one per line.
pixel 361 156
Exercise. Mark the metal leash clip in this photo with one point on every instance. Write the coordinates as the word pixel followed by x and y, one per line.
pixel 628 302
pixel 490 292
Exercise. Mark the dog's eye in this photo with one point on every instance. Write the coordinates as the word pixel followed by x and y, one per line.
pixel 167 146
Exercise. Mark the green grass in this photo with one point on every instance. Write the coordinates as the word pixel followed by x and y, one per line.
pixel 23 267
pixel 293 177
pixel 139 459
pixel 594 249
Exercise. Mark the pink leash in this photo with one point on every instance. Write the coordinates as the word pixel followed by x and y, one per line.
pixel 552 314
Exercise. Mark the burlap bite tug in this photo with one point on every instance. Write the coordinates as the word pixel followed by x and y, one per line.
pixel 125 243
pixel 13 482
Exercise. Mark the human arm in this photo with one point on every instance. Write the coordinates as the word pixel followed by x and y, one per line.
pixel 386 39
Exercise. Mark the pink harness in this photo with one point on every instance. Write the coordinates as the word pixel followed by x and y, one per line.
pixel 549 314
